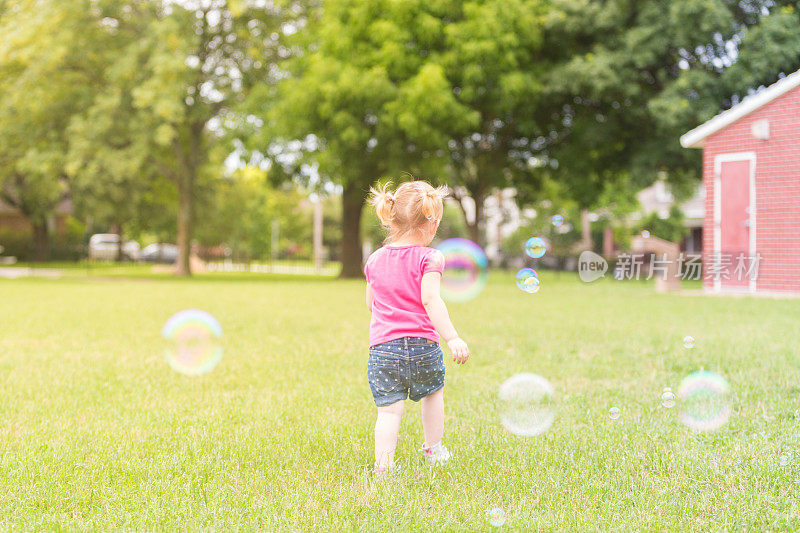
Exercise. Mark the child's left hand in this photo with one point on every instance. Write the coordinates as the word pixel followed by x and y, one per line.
pixel 459 349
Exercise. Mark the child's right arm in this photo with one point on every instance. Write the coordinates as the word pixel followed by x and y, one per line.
pixel 437 311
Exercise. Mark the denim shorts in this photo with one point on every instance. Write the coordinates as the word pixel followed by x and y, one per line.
pixel 410 367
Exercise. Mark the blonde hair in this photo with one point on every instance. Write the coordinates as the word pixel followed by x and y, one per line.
pixel 409 208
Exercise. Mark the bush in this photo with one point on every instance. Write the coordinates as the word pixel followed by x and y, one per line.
pixel 17 243
pixel 671 229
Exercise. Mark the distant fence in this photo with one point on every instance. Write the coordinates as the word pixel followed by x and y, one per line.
pixel 306 268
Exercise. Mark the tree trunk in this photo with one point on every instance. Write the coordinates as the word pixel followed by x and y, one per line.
pixel 116 228
pixel 41 244
pixel 608 241
pixel 190 161
pixel 352 203
pixel 182 267
pixel 474 228
pixel 586 230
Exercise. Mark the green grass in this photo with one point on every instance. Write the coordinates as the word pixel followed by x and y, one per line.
pixel 111 269
pixel 99 433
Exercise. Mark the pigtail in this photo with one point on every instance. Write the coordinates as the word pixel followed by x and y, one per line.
pixel 432 202
pixel 383 200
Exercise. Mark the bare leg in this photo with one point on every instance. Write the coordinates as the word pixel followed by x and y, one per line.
pixel 433 417
pixel 387 427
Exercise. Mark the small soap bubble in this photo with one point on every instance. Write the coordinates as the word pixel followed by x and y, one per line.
pixel 688 342
pixel 527 404
pixel 535 247
pixel 558 220
pixel 497 517
pixel 528 280
pixel 785 460
pixel 195 345
pixel 646 234
pixel 465 269
pixel 704 397
pixel 668 398
pixel 614 413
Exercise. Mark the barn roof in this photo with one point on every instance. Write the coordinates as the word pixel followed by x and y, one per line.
pixel 696 137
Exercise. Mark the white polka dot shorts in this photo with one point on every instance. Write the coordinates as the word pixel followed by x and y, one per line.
pixel 409 367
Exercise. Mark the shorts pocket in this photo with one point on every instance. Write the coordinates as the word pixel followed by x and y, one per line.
pixel 430 368
pixel 383 373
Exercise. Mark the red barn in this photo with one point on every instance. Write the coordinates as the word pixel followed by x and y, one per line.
pixel 751 179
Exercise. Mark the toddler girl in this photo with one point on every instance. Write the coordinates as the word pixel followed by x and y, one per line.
pixel 405 360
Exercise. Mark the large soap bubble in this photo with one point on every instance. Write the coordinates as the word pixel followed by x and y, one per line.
pixel 194 338
pixel 465 269
pixel 704 401
pixel 527 404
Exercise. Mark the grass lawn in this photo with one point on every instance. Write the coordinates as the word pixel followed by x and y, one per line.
pixel 99 433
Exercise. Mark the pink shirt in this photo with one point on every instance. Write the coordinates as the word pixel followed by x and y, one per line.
pixel 394 274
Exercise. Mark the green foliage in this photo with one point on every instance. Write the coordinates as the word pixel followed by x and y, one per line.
pixel 493 57
pixel 672 228
pixel 440 89
pixel 117 161
pixel 452 224
pixel 122 99
pixel 48 66
pixel 241 213
pixel 631 77
pixel 371 228
pixel 331 226
pixel 561 240
pixel 130 108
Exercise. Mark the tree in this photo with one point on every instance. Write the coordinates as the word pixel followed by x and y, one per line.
pixel 197 60
pixel 242 210
pixel 348 90
pixel 629 78
pixel 493 59
pixel 435 88
pixel 115 163
pixel 48 71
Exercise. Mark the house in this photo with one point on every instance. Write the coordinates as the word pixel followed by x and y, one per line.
pixel 751 177
pixel 12 221
pixel 657 198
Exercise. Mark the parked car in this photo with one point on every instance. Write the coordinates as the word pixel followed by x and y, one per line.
pixel 160 253
pixel 106 246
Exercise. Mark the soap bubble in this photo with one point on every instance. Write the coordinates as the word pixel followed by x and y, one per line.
pixel 497 517
pixel 645 234
pixel 535 247
pixel 194 342
pixel 688 342
pixel 528 280
pixel 527 404
pixel 785 460
pixel 614 413
pixel 668 398
pixel 704 397
pixel 558 220
pixel 465 269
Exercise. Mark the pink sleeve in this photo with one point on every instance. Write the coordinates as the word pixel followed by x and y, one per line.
pixel 432 261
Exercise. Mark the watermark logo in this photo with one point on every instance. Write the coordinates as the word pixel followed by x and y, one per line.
pixel 591 266
pixel 687 267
